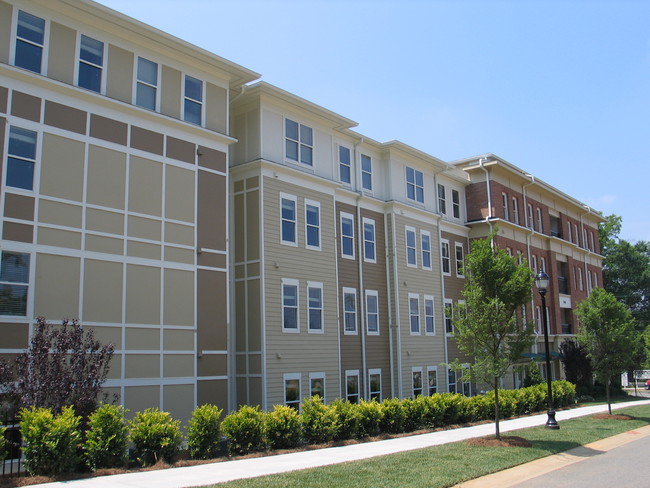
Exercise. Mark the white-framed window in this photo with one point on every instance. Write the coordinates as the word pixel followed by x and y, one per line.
pixel 449 316
pixel 299 142
pixel 345 168
pixel 451 381
pixel 432 380
pixel 414 313
pixel 347 235
pixel 317 385
pixel 314 307
pixel 534 263
pixel 509 251
pixel 595 280
pixel 14 283
pixel 540 222
pixel 369 248
pixel 292 390
pixel 429 316
pixel 442 199
pixel 515 210
pixel 575 279
pixel 531 222
pixel 349 311
pixel 589 287
pixel 374 384
pixel 416 376
pixel 580 282
pixel 312 225
pixel 372 312
pixel 455 203
pixel 591 240
pixel 569 235
pixel 288 215
pixel 460 260
pixel 30 42
pixel 146 87
pixel 414 185
pixel 576 234
pixel 446 257
pixel 542 262
pixel 352 385
pixel 290 315
pixel 21 158
pixel 411 247
pixel 504 204
pixel 585 242
pixel 91 64
pixel 538 320
pixel 466 386
pixel 425 245
pixel 193 100
pixel 366 172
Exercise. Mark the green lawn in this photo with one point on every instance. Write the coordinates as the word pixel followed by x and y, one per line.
pixel 447 465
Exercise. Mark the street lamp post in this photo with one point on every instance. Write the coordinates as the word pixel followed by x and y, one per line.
pixel 542 280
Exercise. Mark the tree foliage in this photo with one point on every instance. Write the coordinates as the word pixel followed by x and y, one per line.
pixel 577 366
pixel 608 335
pixel 486 326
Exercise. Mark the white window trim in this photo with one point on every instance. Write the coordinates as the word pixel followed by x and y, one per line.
pixel 456 205
pixel 542 264
pixel 202 102
pixel 29 309
pixel 318 376
pixel 434 369
pixel 296 283
pixel 36 181
pixel 529 216
pixel 345 215
pixel 353 372
pixel 341 163
pixel 363 172
pixel 458 245
pixel 45 46
pixel 352 291
pixel 427 234
pixel 433 303
pixel 407 229
pixel 294 199
pixel 372 372
pixel 504 204
pixel 538 320
pixel 442 258
pixel 415 185
pixel 102 82
pixel 287 377
pixel 157 87
pixel 374 293
pixel 534 263
pixel 314 284
pixel 540 222
pixel 415 296
pixel 445 302
pixel 417 369
pixel 515 210
pixel 300 143
pixel 374 242
pixel 442 200
pixel 316 204
pixel 576 235
pixel 569 234
pixel 455 383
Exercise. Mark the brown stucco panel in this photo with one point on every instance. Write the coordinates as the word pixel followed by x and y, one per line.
pixel 4 93
pixel 212 310
pixel 19 206
pixel 181 150
pixel 18 232
pixel 14 336
pixel 108 129
pixel 212 211
pixel 147 140
pixel 212 364
pixel 214 392
pixel 64 117
pixel 26 106
pixel 212 260
pixel 213 159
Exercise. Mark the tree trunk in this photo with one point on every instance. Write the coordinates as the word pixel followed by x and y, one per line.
pixel 609 403
pixel 496 408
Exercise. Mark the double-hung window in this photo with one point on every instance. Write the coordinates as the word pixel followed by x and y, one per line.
pixel 446 257
pixel 372 312
pixel 411 247
pixel 504 204
pixel 542 264
pixel 147 84
pixel 314 307
pixel 569 235
pixel 515 210
pixel 576 234
pixel 414 313
pixel 460 260
pixel 425 243
pixel 292 390
pixel 540 224
pixel 317 385
pixel 449 316
pixel 429 316
pixel 14 283
pixel 288 205
pixel 451 381
pixel 442 199
pixel 299 142
pixel 414 185
pixel 193 100
pixel 345 169
pixel 30 38
pixel 531 222
pixel 455 203
pixel 416 373
pixel 347 235
pixel 312 225
pixel 432 378
pixel 352 386
pixel 21 158
pixel 349 311
pixel 369 246
pixel 366 172
pixel 91 64
pixel 374 383
pixel 290 305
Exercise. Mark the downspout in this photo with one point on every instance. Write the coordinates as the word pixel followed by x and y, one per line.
pixel 338 303
pixel 585 245
pixel 531 231
pixel 481 163
pixel 390 254
pixel 397 316
pixel 362 298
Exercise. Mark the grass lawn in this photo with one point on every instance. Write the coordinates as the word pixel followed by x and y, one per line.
pixel 449 464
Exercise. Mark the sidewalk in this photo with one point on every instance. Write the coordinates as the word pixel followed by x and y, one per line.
pixel 207 474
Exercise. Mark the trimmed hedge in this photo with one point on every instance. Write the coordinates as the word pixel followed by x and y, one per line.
pixel 155 435
pixel 107 437
pixel 245 430
pixel 204 432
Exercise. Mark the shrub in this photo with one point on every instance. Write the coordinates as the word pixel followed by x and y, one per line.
pixel 369 418
pixel 319 420
pixel 433 413
pixel 564 393
pixel 451 408
pixel 3 444
pixel 413 413
pixel 283 427
pixel 479 407
pixel 51 443
pixel 244 429
pixel 204 432
pixel 107 437
pixel 393 416
pixel 347 419
pixel 155 435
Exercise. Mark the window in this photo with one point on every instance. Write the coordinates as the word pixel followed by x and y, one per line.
pixel 425 243
pixel 411 247
pixel 193 104
pixel 451 381
pixel 595 280
pixel 569 235
pixel 347 235
pixel 344 164
pixel 542 264
pixel 315 306
pixel 540 225
pixel 147 84
pixel 577 236
pixel 366 172
pixel 417 381
pixel 414 313
pixel 290 305
pixel 299 142
pixel 350 310
pixel 515 210
pixel 312 225
pixel 585 243
pixel 466 386
pixel 288 217
pixel 369 241
pixel 534 259
pixel 531 223
pixel 292 390
pixel 30 35
pixel 317 385
pixel 352 386
pixel 509 251
pixel 374 382
pixel 504 203
pixel 538 320
pixel 446 258
pixel 589 287
pixel 432 379
pixel 442 199
pixel 449 316
pixel 14 283
pixel 591 240
pixel 91 62
pixel 429 316
pixel 372 312
pixel 21 158
pixel 455 203
pixel 414 185
pixel 460 260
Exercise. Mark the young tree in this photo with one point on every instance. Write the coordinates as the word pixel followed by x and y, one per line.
pixel 608 335
pixel 486 326
pixel 577 366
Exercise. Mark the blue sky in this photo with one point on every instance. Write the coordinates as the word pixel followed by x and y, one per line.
pixel 560 88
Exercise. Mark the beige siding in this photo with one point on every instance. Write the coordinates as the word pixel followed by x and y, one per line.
pixel 62 168
pixel 57 287
pixel 171 92
pixel 60 65
pixel 216 112
pixel 5 31
pixel 119 77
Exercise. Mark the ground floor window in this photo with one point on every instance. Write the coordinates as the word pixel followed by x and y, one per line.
pixel 292 390
pixel 374 381
pixel 432 379
pixel 317 385
pixel 417 381
pixel 352 386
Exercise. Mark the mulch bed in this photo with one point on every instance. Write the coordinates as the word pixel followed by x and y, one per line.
pixel 606 416
pixel 505 441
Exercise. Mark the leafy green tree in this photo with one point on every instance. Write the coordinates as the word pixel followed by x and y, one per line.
pixel 486 326
pixel 608 335
pixel 577 366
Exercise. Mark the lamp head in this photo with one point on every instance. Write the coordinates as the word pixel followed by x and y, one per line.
pixel 542 281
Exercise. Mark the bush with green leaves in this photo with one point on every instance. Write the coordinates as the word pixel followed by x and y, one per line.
pixel 3 444
pixel 564 393
pixel 155 436
pixel 479 407
pixel 451 408
pixel 319 420
pixel 393 416
pixel 245 430
pixel 52 443
pixel 283 427
pixel 204 432
pixel 414 410
pixel 107 437
pixel 369 418
pixel 347 419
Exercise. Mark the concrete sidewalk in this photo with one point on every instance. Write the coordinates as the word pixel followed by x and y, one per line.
pixel 207 474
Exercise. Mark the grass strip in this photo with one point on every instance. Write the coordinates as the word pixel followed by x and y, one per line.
pixel 450 464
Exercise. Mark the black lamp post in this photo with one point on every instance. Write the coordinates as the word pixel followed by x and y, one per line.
pixel 542 280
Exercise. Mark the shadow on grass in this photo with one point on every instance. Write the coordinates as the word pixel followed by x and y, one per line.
pixel 556 447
